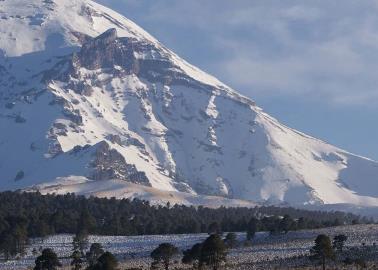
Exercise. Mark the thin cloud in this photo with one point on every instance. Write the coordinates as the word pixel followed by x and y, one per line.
pixel 318 49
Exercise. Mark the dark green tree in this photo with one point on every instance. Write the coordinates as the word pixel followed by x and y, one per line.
pixel 231 240
pixel 214 228
pixel 76 260
pixel 164 254
pixel 106 261
pixel 14 240
pixel 47 261
pixel 252 228
pixel 80 241
pixel 95 251
pixel 193 255
pixel 322 250
pixel 86 222
pixel 213 252
pixel 41 215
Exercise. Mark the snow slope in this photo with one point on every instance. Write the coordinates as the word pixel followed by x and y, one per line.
pixel 126 190
pixel 87 94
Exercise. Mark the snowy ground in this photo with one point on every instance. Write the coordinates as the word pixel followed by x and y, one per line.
pixel 135 250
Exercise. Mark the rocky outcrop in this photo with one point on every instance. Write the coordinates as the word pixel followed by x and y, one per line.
pixel 104 51
pixel 108 51
pixel 109 164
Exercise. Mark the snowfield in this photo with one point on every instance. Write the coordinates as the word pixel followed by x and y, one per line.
pixel 266 249
pixel 125 190
pixel 87 96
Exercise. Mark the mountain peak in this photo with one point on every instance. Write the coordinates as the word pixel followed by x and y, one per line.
pixel 87 94
pixel 42 24
pixel 46 25
pixel 107 37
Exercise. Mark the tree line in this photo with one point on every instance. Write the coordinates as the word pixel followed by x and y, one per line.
pixel 30 215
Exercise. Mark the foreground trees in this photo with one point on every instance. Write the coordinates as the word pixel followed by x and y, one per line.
pixel 231 240
pixel 322 250
pixel 97 259
pixel 80 242
pixel 193 255
pixel 164 254
pixel 77 261
pixel 95 252
pixel 106 261
pixel 47 261
pixel 213 252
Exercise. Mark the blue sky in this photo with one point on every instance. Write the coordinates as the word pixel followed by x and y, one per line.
pixel 311 64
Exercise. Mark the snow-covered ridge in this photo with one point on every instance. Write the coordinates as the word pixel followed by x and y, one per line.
pixel 87 94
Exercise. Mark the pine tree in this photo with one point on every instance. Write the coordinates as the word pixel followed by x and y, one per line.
pixel 322 249
pixel 106 261
pixel 76 262
pixel 231 240
pixel 252 228
pixel 80 241
pixel 214 228
pixel 213 252
pixel 95 251
pixel 193 255
pixel 14 241
pixel 47 261
pixel 164 253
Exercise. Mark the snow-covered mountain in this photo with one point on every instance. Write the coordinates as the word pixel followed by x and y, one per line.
pixel 89 99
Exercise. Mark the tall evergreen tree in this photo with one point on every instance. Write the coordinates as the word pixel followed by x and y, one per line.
pixel 80 242
pixel 193 255
pixel 252 228
pixel 322 250
pixel 231 240
pixel 13 241
pixel 95 251
pixel 213 252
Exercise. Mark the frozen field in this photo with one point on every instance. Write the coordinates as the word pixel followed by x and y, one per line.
pixel 135 250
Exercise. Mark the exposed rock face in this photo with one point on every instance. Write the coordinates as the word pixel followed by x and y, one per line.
pixel 110 164
pixel 105 51
pixel 134 56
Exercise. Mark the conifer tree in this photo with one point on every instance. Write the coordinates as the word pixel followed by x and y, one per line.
pixel 77 261
pixel 164 253
pixel 95 251
pixel 47 261
pixel 213 252
pixel 322 250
